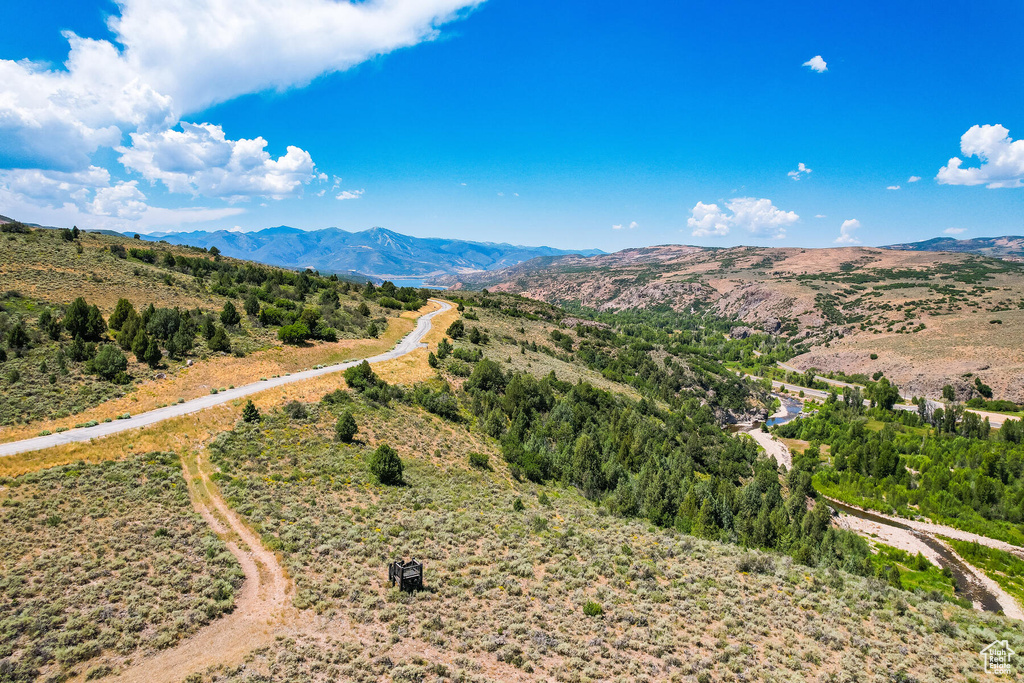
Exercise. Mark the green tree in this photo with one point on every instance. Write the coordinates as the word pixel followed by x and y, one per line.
pixel 296 333
pixel 386 465
pixel 361 377
pixel 432 360
pixel 140 344
pixel 122 312
pixel 220 341
pixel 250 413
pixel 444 348
pixel 949 393
pixel 229 314
pixel 17 338
pixel 109 361
pixel 153 354
pixel 252 305
pixel 456 330
pixel 363 309
pixel 371 330
pixel 346 428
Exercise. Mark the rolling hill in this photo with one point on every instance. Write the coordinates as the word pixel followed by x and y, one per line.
pixel 1008 247
pixel 375 252
pixel 924 319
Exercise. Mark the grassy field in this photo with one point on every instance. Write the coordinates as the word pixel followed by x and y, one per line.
pixel 103 562
pixel 507 583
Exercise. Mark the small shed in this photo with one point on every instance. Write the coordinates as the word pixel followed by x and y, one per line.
pixel 408 575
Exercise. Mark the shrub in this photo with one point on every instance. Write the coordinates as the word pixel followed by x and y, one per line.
pixel 456 330
pixel 371 330
pixel 517 505
pixel 250 413
pixel 336 397
pixel 219 341
pixel 296 410
pixel 109 362
pixel 480 460
pixel 296 333
pixel 229 314
pixel 756 563
pixel 874 356
pixel 361 377
pixel 346 428
pixel 386 465
pixel 592 609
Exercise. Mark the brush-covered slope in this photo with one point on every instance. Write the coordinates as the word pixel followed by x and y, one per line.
pixel 929 318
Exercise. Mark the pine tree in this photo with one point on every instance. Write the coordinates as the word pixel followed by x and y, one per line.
pixel 346 427
pixel 153 354
pixel 386 465
pixel 251 413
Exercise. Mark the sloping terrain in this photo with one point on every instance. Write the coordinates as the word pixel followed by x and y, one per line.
pixel 929 318
pixel 376 252
pixel 1008 247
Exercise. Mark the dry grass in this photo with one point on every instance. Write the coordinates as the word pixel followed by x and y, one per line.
pixel 224 371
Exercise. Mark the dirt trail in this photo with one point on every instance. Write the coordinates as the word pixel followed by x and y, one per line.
pixel 263 608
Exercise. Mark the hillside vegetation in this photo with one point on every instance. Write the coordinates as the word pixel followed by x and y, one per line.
pixel 924 319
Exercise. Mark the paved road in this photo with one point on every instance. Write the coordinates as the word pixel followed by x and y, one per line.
pixel 408 344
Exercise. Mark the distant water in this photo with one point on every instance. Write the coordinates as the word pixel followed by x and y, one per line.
pixel 792 407
pixel 418 283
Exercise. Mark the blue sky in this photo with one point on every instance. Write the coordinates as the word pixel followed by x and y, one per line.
pixel 520 121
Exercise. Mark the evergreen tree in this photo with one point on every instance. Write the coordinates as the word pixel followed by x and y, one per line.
pixel 345 429
pixel 229 315
pixel 386 465
pixel 122 312
pixel 250 413
pixel 153 354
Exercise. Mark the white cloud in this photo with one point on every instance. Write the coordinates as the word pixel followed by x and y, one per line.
pixel 200 160
pixel 349 194
pixel 893 187
pixel 816 63
pixel 123 200
pixel 801 170
pixel 166 60
pixel 633 225
pixel 913 178
pixel 1001 159
pixel 759 217
pixel 846 232
pixel 954 231
pixel 820 215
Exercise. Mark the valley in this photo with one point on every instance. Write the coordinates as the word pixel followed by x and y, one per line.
pixel 565 475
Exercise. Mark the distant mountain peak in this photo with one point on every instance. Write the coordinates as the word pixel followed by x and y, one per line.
pixel 377 251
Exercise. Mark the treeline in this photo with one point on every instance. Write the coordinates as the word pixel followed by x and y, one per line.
pixel 953 470
pixel 675 469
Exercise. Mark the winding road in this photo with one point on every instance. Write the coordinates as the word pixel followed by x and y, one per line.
pixel 408 344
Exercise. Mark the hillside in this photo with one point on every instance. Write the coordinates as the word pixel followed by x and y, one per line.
pixel 930 319
pixel 212 321
pixel 579 512
pixel 1010 248
pixel 376 252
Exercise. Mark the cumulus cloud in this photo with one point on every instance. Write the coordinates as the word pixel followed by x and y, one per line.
pixel 801 171
pixel 816 63
pixel 913 178
pixel 893 187
pixel 759 217
pixel 123 200
pixel 954 231
pixel 199 159
pixel 846 232
pixel 1001 159
pixel 633 225
pixel 166 60
pixel 349 194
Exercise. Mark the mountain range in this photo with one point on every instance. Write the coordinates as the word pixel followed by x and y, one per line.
pixel 1010 248
pixel 376 252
